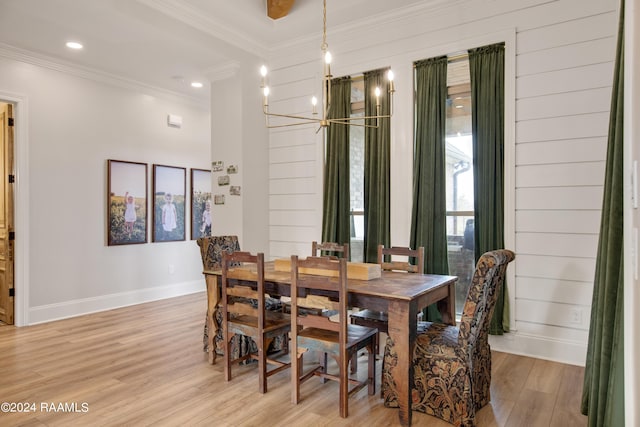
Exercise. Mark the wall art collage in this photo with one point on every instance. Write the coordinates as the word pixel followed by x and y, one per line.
pixel 224 181
pixel 128 205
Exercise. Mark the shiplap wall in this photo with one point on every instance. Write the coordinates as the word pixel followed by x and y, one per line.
pixel 564 53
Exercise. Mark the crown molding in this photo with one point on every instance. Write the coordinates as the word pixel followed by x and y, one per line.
pixel 177 9
pixel 66 67
pixel 372 21
pixel 193 17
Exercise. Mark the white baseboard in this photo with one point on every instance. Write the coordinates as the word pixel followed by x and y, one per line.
pixel 572 353
pixel 63 310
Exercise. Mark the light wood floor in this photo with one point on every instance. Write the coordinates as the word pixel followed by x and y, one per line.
pixel 144 365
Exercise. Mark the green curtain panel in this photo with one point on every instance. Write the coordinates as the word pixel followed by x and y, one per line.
pixel 603 389
pixel 486 67
pixel 335 209
pixel 428 215
pixel 377 147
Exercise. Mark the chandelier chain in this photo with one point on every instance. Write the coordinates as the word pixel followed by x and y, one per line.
pixel 324 46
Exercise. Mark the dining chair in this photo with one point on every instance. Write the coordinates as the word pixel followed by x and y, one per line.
pixel 388 260
pixel 243 312
pixel 338 339
pixel 330 249
pixel 452 364
pixel 211 250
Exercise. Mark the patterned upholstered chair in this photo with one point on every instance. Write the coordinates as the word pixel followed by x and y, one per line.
pixel 452 365
pixel 211 249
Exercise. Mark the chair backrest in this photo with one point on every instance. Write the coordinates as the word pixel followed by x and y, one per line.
pixel 303 286
pixel 483 294
pixel 212 247
pixel 387 262
pixel 331 249
pixel 237 298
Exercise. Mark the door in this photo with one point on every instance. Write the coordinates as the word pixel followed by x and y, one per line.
pixel 6 213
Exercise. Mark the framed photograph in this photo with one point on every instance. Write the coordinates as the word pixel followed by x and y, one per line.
pixel 223 180
pixel 200 203
pixel 218 199
pixel 234 190
pixel 126 202
pixel 217 166
pixel 169 195
pixel 232 169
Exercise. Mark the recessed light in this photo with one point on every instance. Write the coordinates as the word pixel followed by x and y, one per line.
pixel 459 106
pixel 74 45
pixel 196 84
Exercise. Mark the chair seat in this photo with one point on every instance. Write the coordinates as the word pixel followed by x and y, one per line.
pixel 355 333
pixel 274 320
pixel 437 339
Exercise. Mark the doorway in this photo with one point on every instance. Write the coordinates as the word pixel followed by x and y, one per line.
pixel 7 234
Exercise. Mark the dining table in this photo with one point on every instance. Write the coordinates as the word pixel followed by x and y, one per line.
pixel 402 295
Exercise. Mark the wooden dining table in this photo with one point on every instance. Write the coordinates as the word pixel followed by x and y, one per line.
pixel 401 295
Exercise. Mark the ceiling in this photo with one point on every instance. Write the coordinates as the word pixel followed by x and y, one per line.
pixel 168 44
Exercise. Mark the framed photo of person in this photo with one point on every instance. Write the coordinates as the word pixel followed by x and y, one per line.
pixel 200 203
pixel 169 203
pixel 126 202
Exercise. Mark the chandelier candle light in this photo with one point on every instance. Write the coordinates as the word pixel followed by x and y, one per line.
pixel 323 121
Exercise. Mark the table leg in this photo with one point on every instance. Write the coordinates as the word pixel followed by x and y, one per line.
pixel 403 330
pixel 212 303
pixel 447 307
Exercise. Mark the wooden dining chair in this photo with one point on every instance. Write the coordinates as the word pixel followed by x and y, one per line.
pixel 340 340
pixel 336 250
pixel 243 312
pixel 328 249
pixel 452 364
pixel 387 258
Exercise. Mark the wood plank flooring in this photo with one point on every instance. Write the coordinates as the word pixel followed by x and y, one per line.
pixel 144 365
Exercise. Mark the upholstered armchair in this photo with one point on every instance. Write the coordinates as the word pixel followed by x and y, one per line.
pixel 452 365
pixel 211 249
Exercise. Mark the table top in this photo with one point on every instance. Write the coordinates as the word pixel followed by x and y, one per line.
pixel 391 285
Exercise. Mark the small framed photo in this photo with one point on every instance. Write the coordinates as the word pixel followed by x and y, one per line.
pixel 217 166
pixel 218 199
pixel 234 190
pixel 126 202
pixel 169 194
pixel 200 203
pixel 223 180
pixel 232 169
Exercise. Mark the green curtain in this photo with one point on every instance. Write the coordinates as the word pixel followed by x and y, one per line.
pixel 335 208
pixel 603 389
pixel 428 215
pixel 377 148
pixel 486 68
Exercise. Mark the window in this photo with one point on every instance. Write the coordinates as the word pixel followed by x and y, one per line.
pixel 356 171
pixel 459 171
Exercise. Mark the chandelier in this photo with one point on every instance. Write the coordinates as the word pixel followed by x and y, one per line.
pixel 323 119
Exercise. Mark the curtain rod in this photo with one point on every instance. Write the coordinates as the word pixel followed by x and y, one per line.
pixel 453 58
pixel 458 57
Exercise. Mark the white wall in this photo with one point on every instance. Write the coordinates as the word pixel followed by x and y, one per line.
pixel 238 137
pixel 563 54
pixel 69 123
